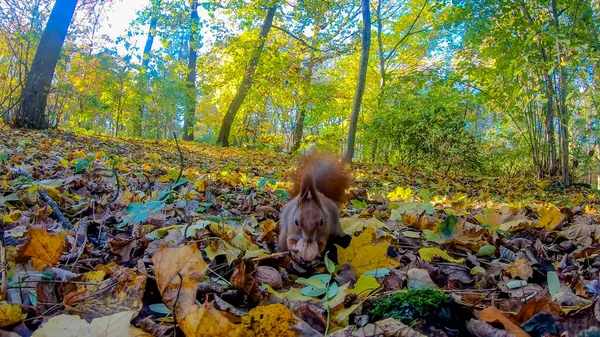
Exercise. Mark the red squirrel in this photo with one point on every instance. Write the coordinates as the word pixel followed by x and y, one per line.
pixel 310 220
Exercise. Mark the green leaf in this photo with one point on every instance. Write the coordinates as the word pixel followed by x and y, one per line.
pixel 478 270
pixel 160 308
pixel 312 282
pixel 329 264
pixel 359 204
pixel 323 277
pixel 381 272
pixel 433 236
pixel 333 290
pixel 312 291
pixel 486 250
pixel 553 283
pixel 448 226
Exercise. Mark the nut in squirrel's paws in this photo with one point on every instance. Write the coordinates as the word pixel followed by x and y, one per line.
pixel 306 253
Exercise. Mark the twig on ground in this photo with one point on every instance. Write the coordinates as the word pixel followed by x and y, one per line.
pixel 66 224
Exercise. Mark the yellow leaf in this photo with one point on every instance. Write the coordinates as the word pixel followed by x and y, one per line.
pixel 428 254
pixel 117 325
pixel 10 314
pixel 206 320
pixel 220 247
pixel 178 271
pixel 549 216
pixel 351 225
pixel 521 268
pixel 65 326
pixel 401 193
pixel 366 253
pixel 107 326
pixel 364 285
pixel 274 320
pixel 43 248
pixel 99 155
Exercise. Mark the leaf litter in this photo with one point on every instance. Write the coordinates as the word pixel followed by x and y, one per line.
pixel 106 236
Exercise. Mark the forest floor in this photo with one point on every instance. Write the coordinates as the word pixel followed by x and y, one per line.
pixel 123 237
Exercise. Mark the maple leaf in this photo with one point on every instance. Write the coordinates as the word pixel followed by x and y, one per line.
pixel 521 268
pixel 365 252
pixel 550 216
pixel 107 326
pixel 43 248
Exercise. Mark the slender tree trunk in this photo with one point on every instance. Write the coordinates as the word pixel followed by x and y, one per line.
pixel 246 84
pixel 190 81
pixel 119 107
pixel 562 103
pixel 302 109
pixel 31 113
pixel 143 81
pixel 362 77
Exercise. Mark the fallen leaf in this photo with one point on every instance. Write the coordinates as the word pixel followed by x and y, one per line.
pixel 537 305
pixel 428 254
pixel 10 314
pixel 271 320
pixel 65 326
pixel 207 321
pixel 482 329
pixel 550 216
pixel 355 224
pixel 365 252
pixel 178 271
pixel 294 294
pixel 521 268
pixel 43 248
pixel 117 325
pixel 492 314
pixel 364 285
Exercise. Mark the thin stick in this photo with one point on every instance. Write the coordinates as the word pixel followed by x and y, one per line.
pixel 3 267
pixel 180 158
pixel 66 224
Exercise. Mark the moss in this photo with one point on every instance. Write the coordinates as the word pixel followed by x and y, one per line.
pixel 411 305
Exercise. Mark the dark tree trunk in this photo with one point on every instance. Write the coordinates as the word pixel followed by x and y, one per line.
pixel 362 77
pixel 246 84
pixel 31 113
pixel 302 108
pixel 190 112
pixel 143 82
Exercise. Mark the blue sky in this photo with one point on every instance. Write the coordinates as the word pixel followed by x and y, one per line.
pixel 118 18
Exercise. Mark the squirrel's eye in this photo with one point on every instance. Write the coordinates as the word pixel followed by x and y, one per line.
pixel 296 222
pixel 321 223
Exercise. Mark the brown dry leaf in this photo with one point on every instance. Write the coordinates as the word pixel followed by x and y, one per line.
pixel 521 268
pixel 482 329
pixel 273 320
pixel 243 279
pixel 170 264
pixel 207 321
pixel 123 291
pixel 43 248
pixel 386 328
pixel 10 314
pixel 492 314
pixel 367 253
pixel 536 305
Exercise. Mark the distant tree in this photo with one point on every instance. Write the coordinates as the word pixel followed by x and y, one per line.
pixel 190 81
pixel 362 77
pixel 246 84
pixel 31 112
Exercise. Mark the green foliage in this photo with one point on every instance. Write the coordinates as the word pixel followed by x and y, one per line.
pixel 409 306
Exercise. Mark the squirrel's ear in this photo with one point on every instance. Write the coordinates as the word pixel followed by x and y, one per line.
pixel 308 190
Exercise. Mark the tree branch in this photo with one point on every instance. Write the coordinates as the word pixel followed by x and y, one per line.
pixel 408 33
pixel 297 38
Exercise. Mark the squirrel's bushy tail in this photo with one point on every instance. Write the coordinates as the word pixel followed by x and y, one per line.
pixel 330 174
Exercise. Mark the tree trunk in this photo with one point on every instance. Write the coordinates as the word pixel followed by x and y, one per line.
pixel 119 107
pixel 562 103
pixel 362 77
pixel 143 82
pixel 31 113
pixel 189 116
pixel 246 84
pixel 302 109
